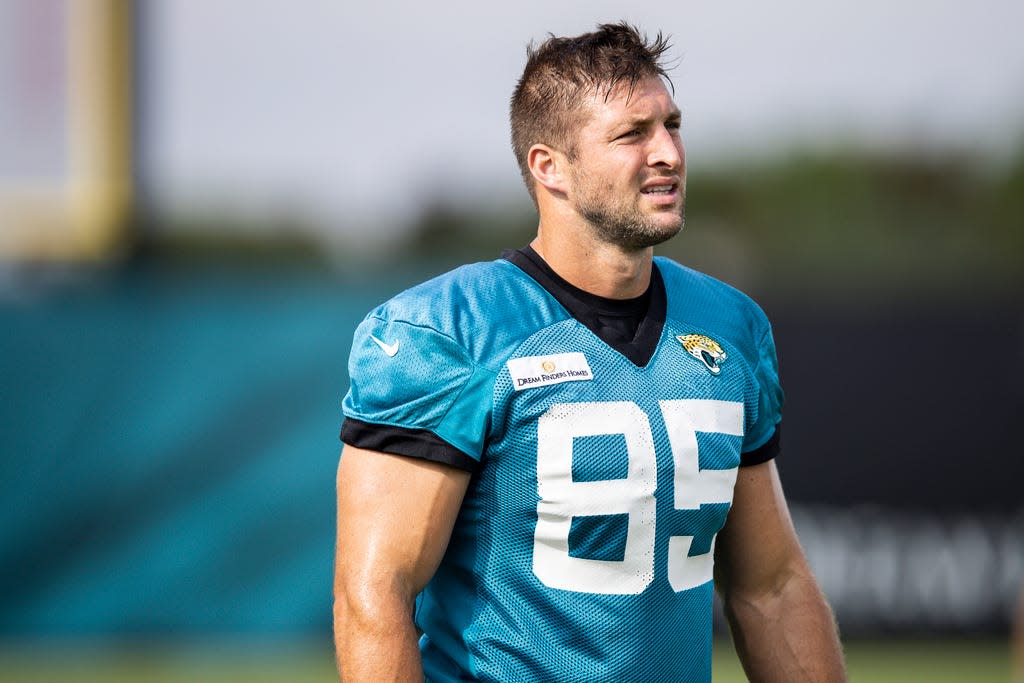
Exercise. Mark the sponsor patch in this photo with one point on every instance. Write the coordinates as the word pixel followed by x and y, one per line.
pixel 540 371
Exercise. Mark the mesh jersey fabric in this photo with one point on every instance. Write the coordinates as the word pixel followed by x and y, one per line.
pixel 583 547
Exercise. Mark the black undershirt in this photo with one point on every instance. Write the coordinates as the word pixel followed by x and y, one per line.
pixel 630 326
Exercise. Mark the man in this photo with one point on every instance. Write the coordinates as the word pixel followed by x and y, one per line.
pixel 541 450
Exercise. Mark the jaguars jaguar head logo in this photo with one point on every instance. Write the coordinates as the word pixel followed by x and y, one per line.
pixel 705 349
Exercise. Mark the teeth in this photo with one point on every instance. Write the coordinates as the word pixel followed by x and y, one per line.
pixel 659 190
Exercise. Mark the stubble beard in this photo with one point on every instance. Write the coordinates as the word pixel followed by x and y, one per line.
pixel 625 225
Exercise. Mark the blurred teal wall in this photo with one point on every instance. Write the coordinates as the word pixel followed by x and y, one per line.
pixel 169 443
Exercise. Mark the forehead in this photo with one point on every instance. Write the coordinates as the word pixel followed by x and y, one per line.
pixel 649 99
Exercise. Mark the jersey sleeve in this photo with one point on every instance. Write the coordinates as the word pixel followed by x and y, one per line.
pixel 415 391
pixel 761 442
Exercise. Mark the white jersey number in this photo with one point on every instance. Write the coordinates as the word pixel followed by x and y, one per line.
pixel 561 498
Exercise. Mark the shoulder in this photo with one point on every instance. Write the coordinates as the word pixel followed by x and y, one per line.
pixel 482 308
pixel 707 301
pixel 462 286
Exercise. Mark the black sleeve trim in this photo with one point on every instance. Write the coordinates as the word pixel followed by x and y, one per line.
pixel 764 453
pixel 414 443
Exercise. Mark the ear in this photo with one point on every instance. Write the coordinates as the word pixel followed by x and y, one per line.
pixel 548 167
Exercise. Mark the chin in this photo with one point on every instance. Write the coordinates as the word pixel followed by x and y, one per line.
pixel 651 237
pixel 670 225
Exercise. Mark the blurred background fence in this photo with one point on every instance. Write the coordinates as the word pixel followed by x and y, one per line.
pixel 199 202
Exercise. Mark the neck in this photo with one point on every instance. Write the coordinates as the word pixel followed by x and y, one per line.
pixel 599 268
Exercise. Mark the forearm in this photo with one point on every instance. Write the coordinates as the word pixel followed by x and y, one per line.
pixel 377 643
pixel 787 635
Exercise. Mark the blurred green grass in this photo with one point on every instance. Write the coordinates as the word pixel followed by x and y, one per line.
pixel 893 661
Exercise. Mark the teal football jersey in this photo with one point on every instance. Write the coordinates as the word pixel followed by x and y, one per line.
pixel 583 549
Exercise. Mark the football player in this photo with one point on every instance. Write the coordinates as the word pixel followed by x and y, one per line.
pixel 552 459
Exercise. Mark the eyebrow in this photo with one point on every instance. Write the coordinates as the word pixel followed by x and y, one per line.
pixel 639 120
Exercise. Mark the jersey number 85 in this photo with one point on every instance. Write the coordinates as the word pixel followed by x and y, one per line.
pixel 562 498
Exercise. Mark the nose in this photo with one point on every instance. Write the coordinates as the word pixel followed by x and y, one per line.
pixel 666 150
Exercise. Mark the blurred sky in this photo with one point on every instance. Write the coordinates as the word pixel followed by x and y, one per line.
pixel 355 114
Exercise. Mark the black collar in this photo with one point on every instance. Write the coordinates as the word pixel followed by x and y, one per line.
pixel 630 326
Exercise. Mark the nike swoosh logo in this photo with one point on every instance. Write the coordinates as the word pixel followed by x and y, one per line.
pixel 389 349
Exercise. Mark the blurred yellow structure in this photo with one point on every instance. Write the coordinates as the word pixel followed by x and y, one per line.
pixel 80 211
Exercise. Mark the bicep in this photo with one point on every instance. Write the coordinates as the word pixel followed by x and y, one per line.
pixel 757 549
pixel 395 516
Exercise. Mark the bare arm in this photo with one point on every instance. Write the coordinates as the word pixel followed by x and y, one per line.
pixel 395 516
pixel 783 628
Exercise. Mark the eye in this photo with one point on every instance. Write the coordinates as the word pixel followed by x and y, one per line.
pixel 629 134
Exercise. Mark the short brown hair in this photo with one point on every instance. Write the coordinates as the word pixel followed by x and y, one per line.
pixel 561 72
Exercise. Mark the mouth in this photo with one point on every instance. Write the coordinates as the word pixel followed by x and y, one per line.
pixel 662 190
